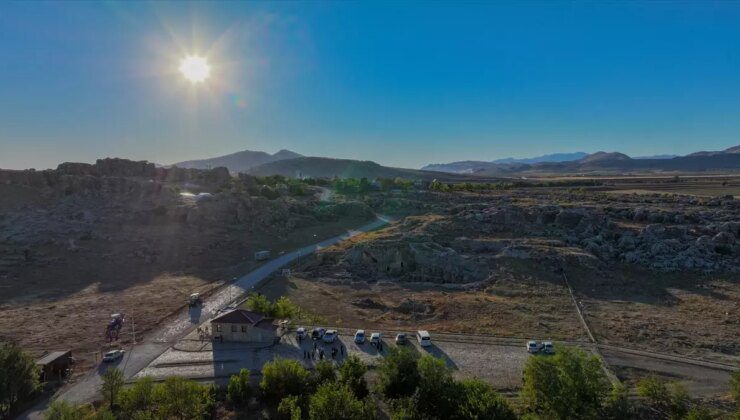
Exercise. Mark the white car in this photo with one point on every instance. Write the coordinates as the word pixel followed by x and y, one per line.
pixel 424 339
pixel 300 333
pixel 360 336
pixel 533 346
pixel 330 336
pixel 548 347
pixel 375 338
pixel 113 355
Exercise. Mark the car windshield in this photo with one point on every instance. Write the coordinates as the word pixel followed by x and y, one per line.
pixel 360 334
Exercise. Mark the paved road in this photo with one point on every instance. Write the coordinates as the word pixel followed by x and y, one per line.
pixel 179 325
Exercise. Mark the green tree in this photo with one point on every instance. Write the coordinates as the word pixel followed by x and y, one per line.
pixel 239 390
pixel 337 402
pixel 324 372
pixel 671 400
pixel 19 377
pixel 182 399
pixel 352 374
pixel 113 381
pixel 434 394
pixel 284 308
pixel 570 384
pixel 260 304
pixel 281 378
pixel 138 399
pixel 289 408
pixel 398 373
pixel 477 400
pixel 618 405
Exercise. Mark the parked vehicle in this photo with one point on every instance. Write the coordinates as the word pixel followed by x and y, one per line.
pixel 301 333
pixel 423 337
pixel 360 336
pixel 548 347
pixel 317 333
pixel 533 346
pixel 113 355
pixel 401 339
pixel 375 338
pixel 329 336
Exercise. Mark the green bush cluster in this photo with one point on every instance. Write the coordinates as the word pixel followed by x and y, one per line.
pixel 174 398
pixel 423 388
pixel 281 308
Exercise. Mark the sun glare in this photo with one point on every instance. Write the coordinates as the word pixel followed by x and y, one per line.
pixel 195 68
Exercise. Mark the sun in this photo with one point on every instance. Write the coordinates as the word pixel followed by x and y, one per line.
pixel 195 68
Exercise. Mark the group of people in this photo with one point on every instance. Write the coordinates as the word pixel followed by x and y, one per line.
pixel 319 353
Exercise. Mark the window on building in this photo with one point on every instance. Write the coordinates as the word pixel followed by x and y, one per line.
pixel 233 328
pixel 218 327
pixel 244 328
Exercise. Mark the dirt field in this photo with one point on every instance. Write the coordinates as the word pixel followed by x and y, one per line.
pixel 683 313
pixel 525 307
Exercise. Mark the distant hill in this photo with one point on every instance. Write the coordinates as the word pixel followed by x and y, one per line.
pixel 315 167
pixel 473 166
pixel 601 162
pixel 239 161
pixel 554 157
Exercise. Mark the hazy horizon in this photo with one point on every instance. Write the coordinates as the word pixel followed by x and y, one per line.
pixel 404 85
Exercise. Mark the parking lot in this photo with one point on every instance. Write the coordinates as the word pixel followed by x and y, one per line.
pixel 499 364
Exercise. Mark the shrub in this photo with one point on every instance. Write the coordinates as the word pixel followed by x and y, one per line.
pixel 239 390
pixel 398 373
pixel 671 400
pixel 289 408
pixel 113 381
pixel 333 401
pixel 435 394
pixel 63 410
pixel 324 372
pixel 183 399
pixel 477 400
pixel 19 378
pixel 568 385
pixel 352 374
pixel 284 308
pixel 282 378
pixel 137 400
pixel 260 304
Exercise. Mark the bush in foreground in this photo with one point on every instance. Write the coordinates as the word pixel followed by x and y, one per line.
pixel 282 378
pixel 19 378
pixel 569 385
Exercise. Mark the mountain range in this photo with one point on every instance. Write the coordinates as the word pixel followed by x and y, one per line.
pixel 291 164
pixel 579 162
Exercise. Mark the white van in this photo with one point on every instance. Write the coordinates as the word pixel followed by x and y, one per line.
pixel 423 338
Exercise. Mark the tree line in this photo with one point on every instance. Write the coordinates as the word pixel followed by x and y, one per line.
pixel 569 385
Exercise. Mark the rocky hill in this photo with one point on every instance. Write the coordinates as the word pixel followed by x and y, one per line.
pixel 239 161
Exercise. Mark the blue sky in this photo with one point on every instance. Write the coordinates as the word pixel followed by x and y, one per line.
pixel 400 83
